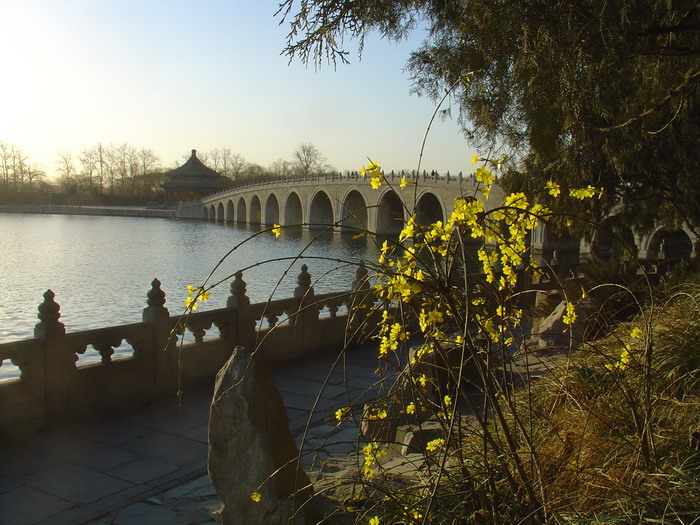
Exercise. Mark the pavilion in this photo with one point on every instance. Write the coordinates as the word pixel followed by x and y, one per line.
pixel 191 181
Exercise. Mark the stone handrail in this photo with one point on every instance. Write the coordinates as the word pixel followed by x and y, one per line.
pixel 51 386
pixel 423 177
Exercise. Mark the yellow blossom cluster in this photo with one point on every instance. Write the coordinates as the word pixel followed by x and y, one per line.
pixel 372 453
pixel 570 314
pixel 195 295
pixel 375 172
pixel 623 362
pixel 435 444
pixel 391 336
pixel 588 192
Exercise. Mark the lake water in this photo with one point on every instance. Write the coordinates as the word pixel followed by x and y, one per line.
pixel 100 268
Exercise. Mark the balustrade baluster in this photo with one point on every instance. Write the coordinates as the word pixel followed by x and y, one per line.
pixel 244 322
pixel 49 313
pixel 59 358
pixel 160 349
pixel 360 282
pixel 306 318
pixel 304 288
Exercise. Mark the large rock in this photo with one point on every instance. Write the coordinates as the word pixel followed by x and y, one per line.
pixel 251 448
pixel 553 333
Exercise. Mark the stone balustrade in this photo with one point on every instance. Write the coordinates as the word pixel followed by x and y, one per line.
pixel 52 387
pixel 412 176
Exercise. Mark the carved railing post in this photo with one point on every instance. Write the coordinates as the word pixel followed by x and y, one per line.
pixel 360 304
pixel 59 360
pixel 161 350
pixel 243 323
pixel 306 319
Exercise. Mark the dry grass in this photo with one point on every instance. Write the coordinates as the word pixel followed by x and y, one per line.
pixel 599 444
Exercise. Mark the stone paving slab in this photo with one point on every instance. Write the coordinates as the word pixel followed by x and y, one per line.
pixel 76 450
pixel 150 466
pixel 142 470
pixel 75 483
pixel 168 448
pixel 24 505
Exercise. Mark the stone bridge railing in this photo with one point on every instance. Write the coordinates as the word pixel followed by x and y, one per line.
pixel 394 177
pixel 52 387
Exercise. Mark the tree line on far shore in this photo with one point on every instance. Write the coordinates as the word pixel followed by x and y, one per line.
pixel 122 172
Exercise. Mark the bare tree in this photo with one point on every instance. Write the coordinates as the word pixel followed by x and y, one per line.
pixel 215 159
pixel 34 175
pixel 66 171
pixel 238 165
pixel 148 162
pixel 88 161
pixel 281 168
pixel 4 164
pixel 308 160
pixel 225 161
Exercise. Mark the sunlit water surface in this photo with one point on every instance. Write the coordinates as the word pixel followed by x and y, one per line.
pixel 100 268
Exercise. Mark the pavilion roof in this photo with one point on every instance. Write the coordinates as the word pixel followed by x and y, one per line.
pixel 193 168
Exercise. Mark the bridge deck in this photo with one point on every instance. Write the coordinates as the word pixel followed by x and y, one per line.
pixel 150 466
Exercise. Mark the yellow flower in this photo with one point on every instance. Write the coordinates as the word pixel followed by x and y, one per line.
pixel 374 520
pixel 256 496
pixel 375 172
pixel 194 295
pixel 435 444
pixel 475 159
pixel 277 230
pixel 570 315
pixel 371 168
pixel 553 188
pixel 585 193
pixel 408 230
pixel 403 182
pixel 411 408
pixel 484 176
pixel 636 332
pixel 448 400
pixel 340 413
pixel 423 380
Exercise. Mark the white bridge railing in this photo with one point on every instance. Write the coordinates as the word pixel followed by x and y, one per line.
pixel 51 386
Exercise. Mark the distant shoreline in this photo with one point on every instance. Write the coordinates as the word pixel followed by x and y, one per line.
pixel 108 211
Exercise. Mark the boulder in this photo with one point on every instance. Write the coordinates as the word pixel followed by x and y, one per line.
pixel 553 333
pixel 251 449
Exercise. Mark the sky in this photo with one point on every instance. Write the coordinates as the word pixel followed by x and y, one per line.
pixel 177 75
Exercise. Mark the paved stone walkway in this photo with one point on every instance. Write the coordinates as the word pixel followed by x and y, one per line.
pixel 149 467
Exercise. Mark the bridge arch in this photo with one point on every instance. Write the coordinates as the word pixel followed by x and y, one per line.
pixel 611 239
pixel 255 210
pixel 230 216
pixel 355 213
pixel 212 212
pixel 429 209
pixel 293 210
pixel 272 210
pixel 665 243
pixel 390 214
pixel 205 213
pixel 241 216
pixel 220 212
pixel 320 211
